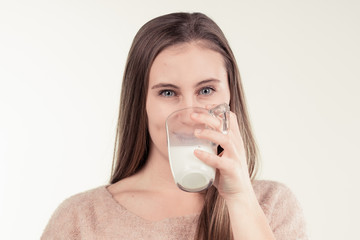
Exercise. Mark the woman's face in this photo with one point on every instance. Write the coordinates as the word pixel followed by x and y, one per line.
pixel 184 75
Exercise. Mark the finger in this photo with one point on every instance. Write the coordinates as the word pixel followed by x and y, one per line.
pixel 210 106
pixel 236 131
pixel 211 159
pixel 217 176
pixel 221 153
pixel 223 166
pixel 215 137
pixel 234 126
pixel 207 119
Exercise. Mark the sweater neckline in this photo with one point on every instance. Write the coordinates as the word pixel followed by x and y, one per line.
pixel 122 209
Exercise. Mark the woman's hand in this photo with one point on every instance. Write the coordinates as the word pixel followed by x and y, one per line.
pixel 232 180
pixel 247 219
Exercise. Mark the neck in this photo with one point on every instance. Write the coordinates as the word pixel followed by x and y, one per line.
pixel 156 177
pixel 154 184
pixel 156 174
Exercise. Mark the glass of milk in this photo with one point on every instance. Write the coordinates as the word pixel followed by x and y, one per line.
pixel 190 173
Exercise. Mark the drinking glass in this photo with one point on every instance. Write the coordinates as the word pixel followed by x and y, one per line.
pixel 190 173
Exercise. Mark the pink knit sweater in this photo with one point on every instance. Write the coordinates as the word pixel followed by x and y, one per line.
pixel 96 215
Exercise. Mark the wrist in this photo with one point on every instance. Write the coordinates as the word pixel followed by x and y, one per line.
pixel 241 200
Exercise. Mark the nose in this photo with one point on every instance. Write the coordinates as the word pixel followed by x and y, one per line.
pixel 184 120
pixel 190 101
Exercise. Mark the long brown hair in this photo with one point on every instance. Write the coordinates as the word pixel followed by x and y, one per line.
pixel 132 136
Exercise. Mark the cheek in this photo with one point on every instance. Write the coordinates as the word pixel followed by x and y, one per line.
pixel 157 131
pixel 227 93
pixel 156 122
pixel 227 96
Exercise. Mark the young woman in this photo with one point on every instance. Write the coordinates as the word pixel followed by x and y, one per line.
pixel 180 60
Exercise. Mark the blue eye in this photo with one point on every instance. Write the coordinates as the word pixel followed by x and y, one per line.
pixel 206 91
pixel 167 93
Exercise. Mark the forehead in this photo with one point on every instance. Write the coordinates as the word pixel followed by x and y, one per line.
pixel 187 62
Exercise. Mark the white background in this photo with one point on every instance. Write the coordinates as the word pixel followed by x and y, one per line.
pixel 61 64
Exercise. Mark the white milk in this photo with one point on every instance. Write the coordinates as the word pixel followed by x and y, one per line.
pixel 189 172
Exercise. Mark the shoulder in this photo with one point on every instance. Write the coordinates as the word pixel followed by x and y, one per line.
pixel 282 209
pixel 274 195
pixel 81 201
pixel 85 198
pixel 270 191
pixel 74 212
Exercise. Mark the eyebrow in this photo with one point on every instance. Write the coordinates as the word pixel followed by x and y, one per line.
pixel 169 85
pixel 164 85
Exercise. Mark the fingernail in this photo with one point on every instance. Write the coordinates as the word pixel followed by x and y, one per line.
pixel 197 131
pixel 208 107
pixel 195 115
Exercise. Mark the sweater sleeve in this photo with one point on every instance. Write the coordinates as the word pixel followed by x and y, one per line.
pixel 63 223
pixel 283 212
